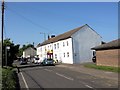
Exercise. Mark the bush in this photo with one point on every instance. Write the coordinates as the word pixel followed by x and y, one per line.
pixel 9 79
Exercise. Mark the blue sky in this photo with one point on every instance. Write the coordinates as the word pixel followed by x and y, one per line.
pixel 25 21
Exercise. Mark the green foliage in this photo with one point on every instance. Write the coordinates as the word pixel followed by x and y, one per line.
pixel 23 48
pixel 27 46
pixel 11 53
pixel 106 68
pixel 9 79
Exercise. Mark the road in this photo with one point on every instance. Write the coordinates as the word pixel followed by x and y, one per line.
pixel 56 77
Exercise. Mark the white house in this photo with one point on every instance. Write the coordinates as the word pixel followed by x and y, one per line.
pixel 29 52
pixel 71 47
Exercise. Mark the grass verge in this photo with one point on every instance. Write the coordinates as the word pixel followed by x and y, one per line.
pixel 106 68
pixel 9 79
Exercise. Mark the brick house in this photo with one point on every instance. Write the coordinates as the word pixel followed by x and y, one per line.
pixel 107 54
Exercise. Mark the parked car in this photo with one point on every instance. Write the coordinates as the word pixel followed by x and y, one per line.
pixel 94 59
pixel 48 62
pixel 23 61
pixel 32 60
pixel 36 60
pixel 55 61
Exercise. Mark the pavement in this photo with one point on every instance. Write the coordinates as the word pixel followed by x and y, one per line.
pixel 90 71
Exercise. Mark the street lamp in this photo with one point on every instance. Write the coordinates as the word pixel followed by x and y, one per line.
pixel 7 48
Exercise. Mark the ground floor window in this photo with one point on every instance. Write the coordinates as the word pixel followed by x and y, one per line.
pixel 67 54
pixel 64 54
pixel 55 56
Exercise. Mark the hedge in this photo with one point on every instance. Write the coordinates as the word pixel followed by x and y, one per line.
pixel 9 79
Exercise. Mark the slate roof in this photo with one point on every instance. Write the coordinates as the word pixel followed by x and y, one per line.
pixel 62 36
pixel 115 44
pixel 29 48
pixel 38 45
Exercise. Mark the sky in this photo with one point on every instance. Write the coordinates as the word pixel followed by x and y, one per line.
pixel 25 22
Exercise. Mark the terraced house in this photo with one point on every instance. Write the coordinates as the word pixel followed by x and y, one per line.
pixel 71 47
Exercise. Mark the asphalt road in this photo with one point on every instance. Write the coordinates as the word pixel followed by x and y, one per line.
pixel 55 77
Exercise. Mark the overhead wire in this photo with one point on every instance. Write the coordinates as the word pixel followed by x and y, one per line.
pixel 36 24
pixel 30 21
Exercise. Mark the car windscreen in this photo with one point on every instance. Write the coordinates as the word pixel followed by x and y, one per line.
pixel 36 58
pixel 49 59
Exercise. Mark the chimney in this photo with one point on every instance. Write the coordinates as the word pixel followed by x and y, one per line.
pixel 52 36
pixel 48 37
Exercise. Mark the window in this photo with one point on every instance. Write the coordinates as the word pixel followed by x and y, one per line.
pixel 41 49
pixel 45 49
pixel 55 56
pixel 40 55
pixel 94 53
pixel 67 43
pixel 57 45
pixel 67 54
pixel 64 54
pixel 63 44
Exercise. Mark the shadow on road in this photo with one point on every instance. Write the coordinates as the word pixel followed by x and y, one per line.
pixel 28 66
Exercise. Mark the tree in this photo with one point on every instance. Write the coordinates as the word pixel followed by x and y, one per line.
pixel 11 53
pixel 23 48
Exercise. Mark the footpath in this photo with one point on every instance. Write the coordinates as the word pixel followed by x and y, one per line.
pixel 90 71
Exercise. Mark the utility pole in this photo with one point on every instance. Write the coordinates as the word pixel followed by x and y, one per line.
pixel 2 29
pixel 44 35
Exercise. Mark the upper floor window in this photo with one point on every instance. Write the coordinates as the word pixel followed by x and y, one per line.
pixel 67 43
pixel 63 44
pixel 57 45
pixel 41 49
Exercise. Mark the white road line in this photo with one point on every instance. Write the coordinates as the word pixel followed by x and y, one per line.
pixel 48 70
pixel 40 67
pixel 88 86
pixel 24 81
pixel 69 78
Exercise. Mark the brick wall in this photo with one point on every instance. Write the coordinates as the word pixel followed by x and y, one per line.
pixel 107 57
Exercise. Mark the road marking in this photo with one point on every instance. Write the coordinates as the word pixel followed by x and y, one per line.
pixel 65 76
pixel 40 67
pixel 48 70
pixel 88 86
pixel 24 81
